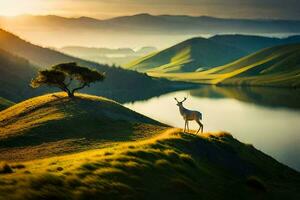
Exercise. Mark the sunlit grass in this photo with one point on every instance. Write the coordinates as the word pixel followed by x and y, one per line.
pixel 54 123
pixel 169 165
pixel 276 66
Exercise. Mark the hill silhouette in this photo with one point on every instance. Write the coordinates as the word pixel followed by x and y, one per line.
pixel 140 29
pixel 82 121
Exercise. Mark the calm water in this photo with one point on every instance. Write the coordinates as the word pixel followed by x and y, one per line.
pixel 267 118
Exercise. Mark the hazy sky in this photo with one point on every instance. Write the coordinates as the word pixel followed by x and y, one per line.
pixel 283 9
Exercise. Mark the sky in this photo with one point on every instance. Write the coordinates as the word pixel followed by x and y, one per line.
pixel 265 9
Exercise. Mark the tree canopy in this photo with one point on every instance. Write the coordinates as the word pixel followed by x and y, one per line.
pixel 69 77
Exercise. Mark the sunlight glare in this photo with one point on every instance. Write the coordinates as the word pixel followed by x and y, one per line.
pixel 17 7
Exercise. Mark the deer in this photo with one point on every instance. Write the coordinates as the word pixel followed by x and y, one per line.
pixel 189 115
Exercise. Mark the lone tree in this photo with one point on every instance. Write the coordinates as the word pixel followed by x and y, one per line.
pixel 69 77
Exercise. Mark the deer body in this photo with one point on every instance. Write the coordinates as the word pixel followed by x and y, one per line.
pixel 189 115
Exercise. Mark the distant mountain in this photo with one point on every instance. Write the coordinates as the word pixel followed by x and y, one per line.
pixel 135 31
pixel 198 54
pixel 251 43
pixel 118 82
pixel 187 56
pixel 277 66
pixel 118 56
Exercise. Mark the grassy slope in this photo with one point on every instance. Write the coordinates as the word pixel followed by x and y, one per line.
pixel 171 165
pixel 187 56
pixel 15 76
pixel 66 124
pixel 276 66
pixel 4 103
pixel 251 43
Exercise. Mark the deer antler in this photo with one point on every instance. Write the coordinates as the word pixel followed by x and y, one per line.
pixel 184 99
pixel 176 100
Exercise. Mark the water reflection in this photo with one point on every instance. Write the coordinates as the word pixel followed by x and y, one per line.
pixel 267 118
pixel 270 97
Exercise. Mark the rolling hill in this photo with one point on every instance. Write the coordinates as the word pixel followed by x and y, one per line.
pixel 171 165
pixel 252 43
pixel 276 66
pixel 89 147
pixel 15 76
pixel 200 53
pixel 63 124
pixel 118 84
pixel 188 56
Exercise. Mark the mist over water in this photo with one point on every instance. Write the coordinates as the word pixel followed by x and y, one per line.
pixel 271 127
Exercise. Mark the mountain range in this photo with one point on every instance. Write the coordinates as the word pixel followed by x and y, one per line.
pixel 135 31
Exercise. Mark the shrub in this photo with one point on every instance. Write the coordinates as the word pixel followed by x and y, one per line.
pixel 46 180
pixel 256 183
pixel 59 169
pixel 90 166
pixel 18 166
pixel 73 181
pixel 5 169
pixel 188 160
pixel 162 163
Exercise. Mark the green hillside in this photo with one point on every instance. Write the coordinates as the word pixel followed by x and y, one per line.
pixel 65 124
pixel 89 147
pixel 15 76
pixel 252 43
pixel 188 56
pixel 277 66
pixel 171 165
pixel 118 81
pixel 199 54
pixel 4 103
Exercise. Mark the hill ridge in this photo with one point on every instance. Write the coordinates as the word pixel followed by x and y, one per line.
pixel 55 118
pixel 275 66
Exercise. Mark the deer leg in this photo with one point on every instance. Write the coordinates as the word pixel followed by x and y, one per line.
pixel 200 126
pixel 187 123
pixel 184 126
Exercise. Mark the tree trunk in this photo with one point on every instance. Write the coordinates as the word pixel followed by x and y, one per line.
pixel 70 94
pixel 79 88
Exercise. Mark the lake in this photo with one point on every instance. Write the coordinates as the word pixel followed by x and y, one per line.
pixel 267 118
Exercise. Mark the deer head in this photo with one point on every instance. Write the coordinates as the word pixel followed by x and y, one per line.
pixel 179 103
